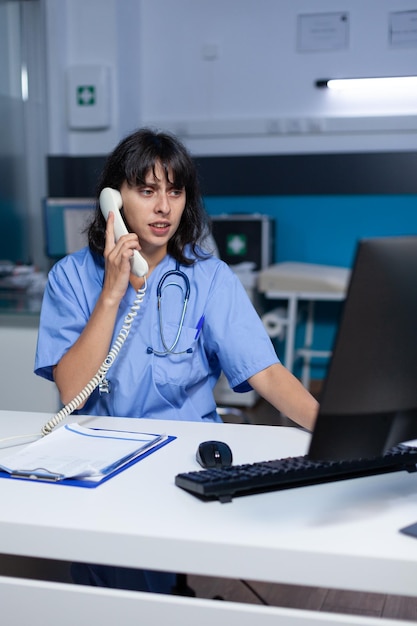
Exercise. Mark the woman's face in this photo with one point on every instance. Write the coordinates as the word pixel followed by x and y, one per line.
pixel 153 211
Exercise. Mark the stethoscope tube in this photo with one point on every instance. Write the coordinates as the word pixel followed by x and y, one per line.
pixel 159 290
pixel 176 272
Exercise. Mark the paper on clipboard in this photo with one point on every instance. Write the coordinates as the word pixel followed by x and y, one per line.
pixel 74 451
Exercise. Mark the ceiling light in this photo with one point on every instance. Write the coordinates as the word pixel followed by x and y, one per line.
pixel 386 83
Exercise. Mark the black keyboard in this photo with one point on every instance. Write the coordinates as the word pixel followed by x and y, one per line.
pixel 238 480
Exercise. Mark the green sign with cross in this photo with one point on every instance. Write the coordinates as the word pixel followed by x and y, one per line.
pixel 86 95
pixel 236 244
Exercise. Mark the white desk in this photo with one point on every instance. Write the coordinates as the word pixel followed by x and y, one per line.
pixel 341 535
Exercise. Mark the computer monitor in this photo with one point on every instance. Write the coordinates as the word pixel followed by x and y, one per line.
pixel 369 399
pixel 65 221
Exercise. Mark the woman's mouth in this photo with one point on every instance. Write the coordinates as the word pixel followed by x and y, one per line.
pixel 161 228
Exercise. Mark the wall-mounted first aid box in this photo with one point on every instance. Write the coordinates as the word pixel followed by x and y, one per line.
pixel 245 238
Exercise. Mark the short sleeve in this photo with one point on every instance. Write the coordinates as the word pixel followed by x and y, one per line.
pixel 66 308
pixel 235 332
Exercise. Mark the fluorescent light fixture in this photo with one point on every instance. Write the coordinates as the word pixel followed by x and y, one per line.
pixel 386 83
pixel 24 82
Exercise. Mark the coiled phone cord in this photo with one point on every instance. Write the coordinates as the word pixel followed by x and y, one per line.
pixel 104 368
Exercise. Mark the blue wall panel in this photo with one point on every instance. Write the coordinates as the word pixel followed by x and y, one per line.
pixel 324 229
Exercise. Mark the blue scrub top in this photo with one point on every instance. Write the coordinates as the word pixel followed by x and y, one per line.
pixel 143 384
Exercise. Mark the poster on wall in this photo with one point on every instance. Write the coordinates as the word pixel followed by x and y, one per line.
pixel 322 31
pixel 403 29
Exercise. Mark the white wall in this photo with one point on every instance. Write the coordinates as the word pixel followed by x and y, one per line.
pixel 253 91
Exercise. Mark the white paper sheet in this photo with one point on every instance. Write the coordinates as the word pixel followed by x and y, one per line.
pixel 73 451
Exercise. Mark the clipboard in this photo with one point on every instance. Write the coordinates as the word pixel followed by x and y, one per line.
pixel 137 449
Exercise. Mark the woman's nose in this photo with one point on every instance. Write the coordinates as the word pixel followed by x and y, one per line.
pixel 163 205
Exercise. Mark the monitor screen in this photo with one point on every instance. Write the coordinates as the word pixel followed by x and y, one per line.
pixel 65 222
pixel 244 238
pixel 369 399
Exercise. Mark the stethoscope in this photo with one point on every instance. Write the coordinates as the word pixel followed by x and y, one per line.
pixel 162 285
pixel 105 385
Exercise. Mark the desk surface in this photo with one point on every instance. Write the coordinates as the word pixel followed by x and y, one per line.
pixel 342 535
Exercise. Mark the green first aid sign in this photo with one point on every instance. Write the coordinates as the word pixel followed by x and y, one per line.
pixel 86 95
pixel 236 244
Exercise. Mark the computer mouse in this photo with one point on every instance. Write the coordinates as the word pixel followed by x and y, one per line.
pixel 214 454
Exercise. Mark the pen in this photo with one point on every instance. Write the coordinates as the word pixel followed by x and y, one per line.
pixel 199 327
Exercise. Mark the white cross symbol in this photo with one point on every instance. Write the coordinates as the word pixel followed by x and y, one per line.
pixel 236 244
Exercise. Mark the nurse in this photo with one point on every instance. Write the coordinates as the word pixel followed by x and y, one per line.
pixel 193 318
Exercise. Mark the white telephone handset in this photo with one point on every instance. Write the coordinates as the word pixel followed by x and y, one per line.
pixel 111 200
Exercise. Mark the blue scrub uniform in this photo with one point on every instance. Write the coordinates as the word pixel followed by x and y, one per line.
pixel 142 383
pixel 221 331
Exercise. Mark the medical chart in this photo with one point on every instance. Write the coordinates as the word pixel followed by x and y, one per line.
pixel 73 451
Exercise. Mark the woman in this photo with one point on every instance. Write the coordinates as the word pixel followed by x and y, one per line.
pixel 194 319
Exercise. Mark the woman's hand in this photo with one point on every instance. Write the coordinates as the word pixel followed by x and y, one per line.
pixel 117 258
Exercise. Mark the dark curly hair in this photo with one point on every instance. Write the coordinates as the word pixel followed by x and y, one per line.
pixel 132 159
